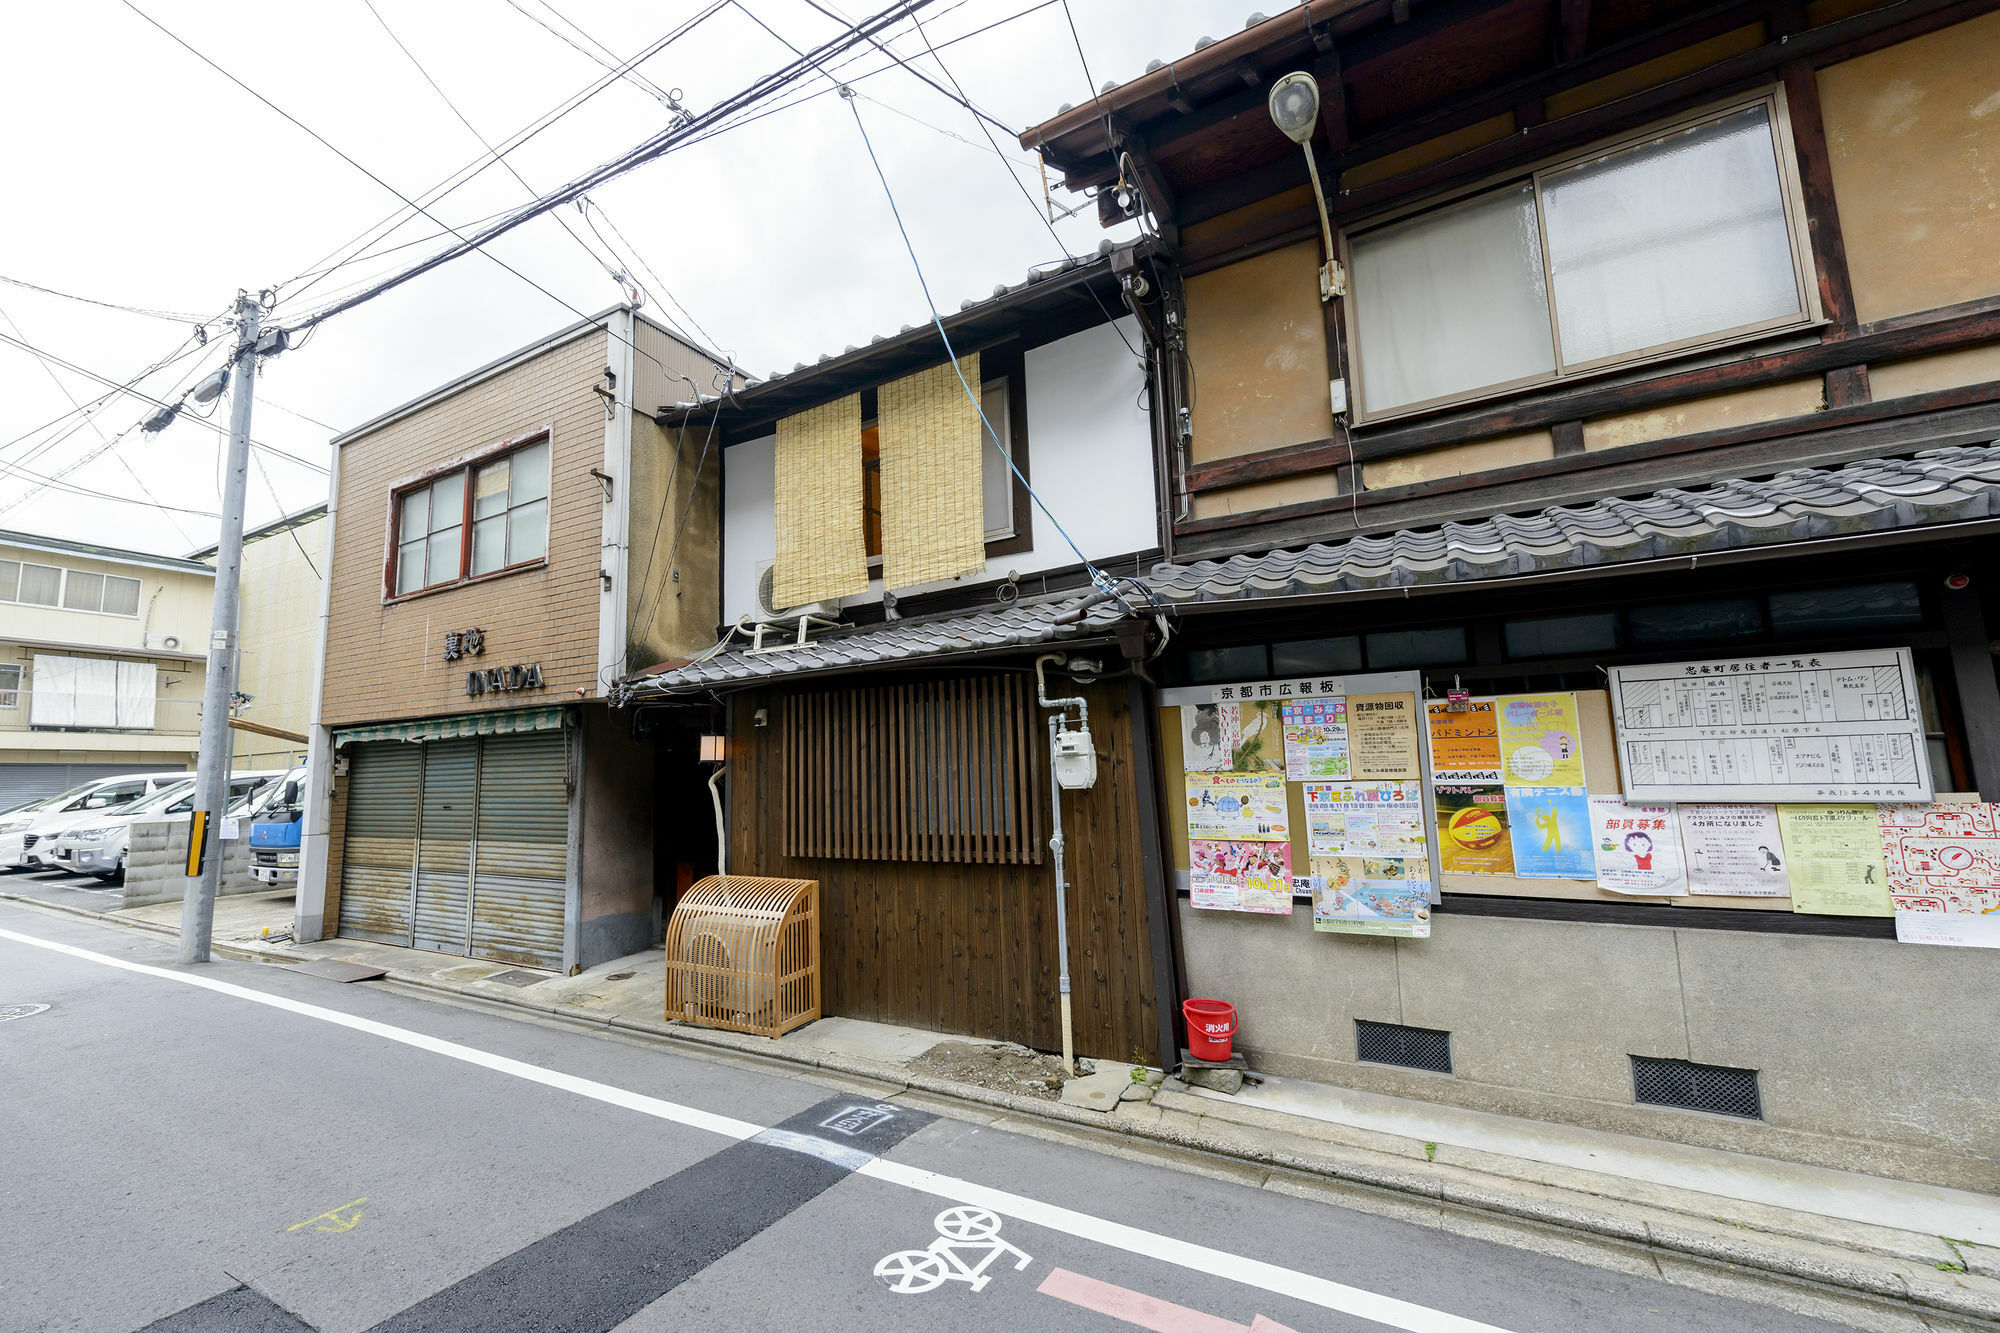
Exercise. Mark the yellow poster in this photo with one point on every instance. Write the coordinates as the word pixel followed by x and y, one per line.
pixel 1835 854
pixel 1382 737
pixel 1540 742
pixel 1473 837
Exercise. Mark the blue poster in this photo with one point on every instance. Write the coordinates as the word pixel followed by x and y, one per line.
pixel 1551 833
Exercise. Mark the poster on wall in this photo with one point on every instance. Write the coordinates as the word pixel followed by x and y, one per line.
pixel 1540 740
pixel 1260 738
pixel 1943 864
pixel 1356 895
pixel 1465 743
pixel 1734 851
pixel 1316 739
pixel 1382 736
pixel 1209 736
pixel 1828 728
pixel 1243 807
pixel 1551 832
pixel 1638 848
pixel 1241 876
pixel 1473 837
pixel 1835 856
pixel 1365 818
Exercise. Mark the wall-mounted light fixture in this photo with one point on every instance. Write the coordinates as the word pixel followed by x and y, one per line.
pixel 1294 108
pixel 711 749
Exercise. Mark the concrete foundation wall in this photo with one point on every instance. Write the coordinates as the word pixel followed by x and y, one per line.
pixel 1873 1056
pixel 158 854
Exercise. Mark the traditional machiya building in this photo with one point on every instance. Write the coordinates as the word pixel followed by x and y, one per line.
pixel 1580 700
pixel 496 553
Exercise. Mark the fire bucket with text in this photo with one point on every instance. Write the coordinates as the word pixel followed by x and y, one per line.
pixel 1210 1025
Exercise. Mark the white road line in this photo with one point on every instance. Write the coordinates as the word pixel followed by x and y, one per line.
pixel 1102 1231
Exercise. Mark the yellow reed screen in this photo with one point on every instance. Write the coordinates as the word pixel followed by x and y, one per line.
pixel 933 501
pixel 822 551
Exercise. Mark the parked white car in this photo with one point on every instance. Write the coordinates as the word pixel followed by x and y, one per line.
pixel 98 846
pixel 23 831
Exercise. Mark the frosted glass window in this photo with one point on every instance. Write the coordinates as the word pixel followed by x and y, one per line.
pixel 528 532
pixel 121 596
pixel 83 592
pixel 531 475
pixel 10 580
pixel 510 522
pixel 995 473
pixel 1676 239
pixel 1452 301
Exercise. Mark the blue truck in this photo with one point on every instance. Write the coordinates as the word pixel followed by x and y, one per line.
pixel 274 833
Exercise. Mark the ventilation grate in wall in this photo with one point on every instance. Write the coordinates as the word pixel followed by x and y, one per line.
pixel 1394 1044
pixel 1694 1087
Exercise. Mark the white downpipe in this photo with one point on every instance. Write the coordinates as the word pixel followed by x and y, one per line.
pixel 1056 847
pixel 721 834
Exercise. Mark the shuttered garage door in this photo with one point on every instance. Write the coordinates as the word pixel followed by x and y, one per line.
pixel 420 816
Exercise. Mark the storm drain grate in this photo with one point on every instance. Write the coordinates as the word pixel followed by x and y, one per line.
pixel 1693 1087
pixel 517 977
pixel 1394 1044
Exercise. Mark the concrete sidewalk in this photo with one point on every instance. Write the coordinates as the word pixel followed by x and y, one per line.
pixel 1867 1251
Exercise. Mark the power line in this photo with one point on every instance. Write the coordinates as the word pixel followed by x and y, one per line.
pixel 172 317
pixel 634 77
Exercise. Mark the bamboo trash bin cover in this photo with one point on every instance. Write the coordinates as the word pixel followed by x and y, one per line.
pixel 743 954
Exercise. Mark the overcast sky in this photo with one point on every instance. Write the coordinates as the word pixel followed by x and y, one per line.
pixel 140 176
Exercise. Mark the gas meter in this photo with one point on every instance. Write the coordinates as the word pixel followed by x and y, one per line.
pixel 1075 759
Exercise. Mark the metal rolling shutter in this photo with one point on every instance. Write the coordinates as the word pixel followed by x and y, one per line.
pixel 384 783
pixel 444 846
pixel 521 853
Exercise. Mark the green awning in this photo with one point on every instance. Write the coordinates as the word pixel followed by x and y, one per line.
pixel 447 728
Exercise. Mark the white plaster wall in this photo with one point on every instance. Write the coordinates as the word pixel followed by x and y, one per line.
pixel 1090 458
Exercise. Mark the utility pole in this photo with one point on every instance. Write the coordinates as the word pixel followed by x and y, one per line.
pixel 211 780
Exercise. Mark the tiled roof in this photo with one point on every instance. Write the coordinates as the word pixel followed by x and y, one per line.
pixel 1807 504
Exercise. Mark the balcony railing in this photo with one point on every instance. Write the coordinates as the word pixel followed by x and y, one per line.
pixel 169 716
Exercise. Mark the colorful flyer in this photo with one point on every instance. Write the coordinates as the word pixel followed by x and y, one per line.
pixel 1382 737
pixel 1540 743
pixel 1943 861
pixel 1244 807
pixel 1473 837
pixel 1734 851
pixel 1365 819
pixel 1638 848
pixel 1316 739
pixel 1241 876
pixel 1259 745
pixel 1372 896
pixel 1551 828
pixel 1465 742
pixel 1835 856
pixel 1209 736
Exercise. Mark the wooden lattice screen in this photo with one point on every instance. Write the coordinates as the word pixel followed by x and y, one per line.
pixel 934 771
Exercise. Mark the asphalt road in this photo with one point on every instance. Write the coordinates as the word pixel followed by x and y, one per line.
pixel 234 1147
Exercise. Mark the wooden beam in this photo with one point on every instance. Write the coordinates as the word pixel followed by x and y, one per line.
pixel 1573 29
pixel 1836 290
pixel 278 733
pixel 1581 403
pixel 1567 436
pixel 1847 386
pixel 1972 673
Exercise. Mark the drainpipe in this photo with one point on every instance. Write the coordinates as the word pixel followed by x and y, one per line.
pixel 1056 847
pixel 721 834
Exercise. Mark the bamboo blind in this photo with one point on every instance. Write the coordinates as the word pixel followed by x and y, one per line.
pixel 933 494
pixel 822 552
pixel 933 771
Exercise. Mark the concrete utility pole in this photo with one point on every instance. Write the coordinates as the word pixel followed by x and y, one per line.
pixel 211 778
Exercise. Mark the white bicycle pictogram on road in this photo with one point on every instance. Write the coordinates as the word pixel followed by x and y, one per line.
pixel 909 1272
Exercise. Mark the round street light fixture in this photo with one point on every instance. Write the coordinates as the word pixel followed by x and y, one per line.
pixel 1295 106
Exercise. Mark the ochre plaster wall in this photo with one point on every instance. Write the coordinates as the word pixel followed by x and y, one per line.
pixel 1768 402
pixel 1913 132
pixel 1266 495
pixel 1658 70
pixel 1946 370
pixel 1257 337
pixel 1427 152
pixel 1458 459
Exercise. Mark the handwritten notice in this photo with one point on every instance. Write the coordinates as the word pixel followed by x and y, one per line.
pixel 1210 734
pixel 1835 856
pixel 1241 876
pixel 1551 828
pixel 1242 807
pixel 1540 743
pixel 1382 736
pixel 1473 836
pixel 1316 739
pixel 1943 866
pixel 1734 851
pixel 1465 746
pixel 1355 895
pixel 1638 848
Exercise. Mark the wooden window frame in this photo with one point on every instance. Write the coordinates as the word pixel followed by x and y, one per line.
pixel 466 465
pixel 1791 190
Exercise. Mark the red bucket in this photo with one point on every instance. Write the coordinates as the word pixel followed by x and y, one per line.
pixel 1210 1025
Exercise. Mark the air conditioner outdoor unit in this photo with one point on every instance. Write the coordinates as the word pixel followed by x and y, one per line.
pixel 769 615
pixel 166 643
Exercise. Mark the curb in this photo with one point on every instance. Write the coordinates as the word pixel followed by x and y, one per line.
pixel 1835 1282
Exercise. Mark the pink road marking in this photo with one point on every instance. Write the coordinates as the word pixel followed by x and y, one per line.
pixel 1137 1308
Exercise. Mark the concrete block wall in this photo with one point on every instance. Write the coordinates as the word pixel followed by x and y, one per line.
pixel 157 855
pixel 1872 1056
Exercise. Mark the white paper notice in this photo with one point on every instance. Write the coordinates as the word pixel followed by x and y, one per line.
pixel 1734 851
pixel 1209 734
pixel 1638 848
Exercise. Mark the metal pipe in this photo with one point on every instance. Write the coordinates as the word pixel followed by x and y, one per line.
pixel 1062 901
pixel 721 835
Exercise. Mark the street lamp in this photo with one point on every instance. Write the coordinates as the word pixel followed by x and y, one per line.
pixel 1294 107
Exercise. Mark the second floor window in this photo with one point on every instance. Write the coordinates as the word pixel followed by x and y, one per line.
pixel 1685 237
pixel 503 501
pixel 71 589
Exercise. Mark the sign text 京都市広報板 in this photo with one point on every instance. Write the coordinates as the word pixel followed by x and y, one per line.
pixel 462 643
pixel 500 680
